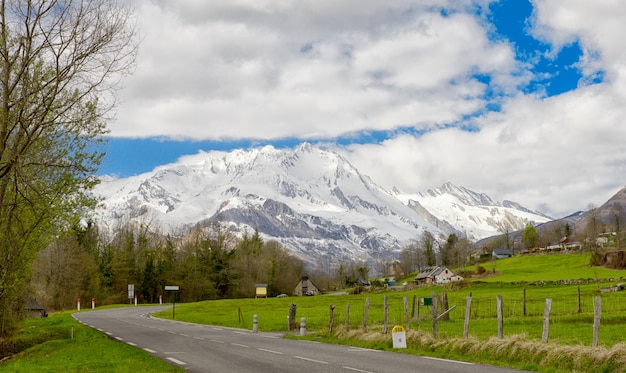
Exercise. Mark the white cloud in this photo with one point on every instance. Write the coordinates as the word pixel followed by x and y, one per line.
pixel 305 69
pixel 313 69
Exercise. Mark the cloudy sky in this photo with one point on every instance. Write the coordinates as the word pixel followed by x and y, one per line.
pixel 520 100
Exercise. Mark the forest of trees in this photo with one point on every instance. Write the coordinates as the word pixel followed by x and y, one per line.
pixel 207 263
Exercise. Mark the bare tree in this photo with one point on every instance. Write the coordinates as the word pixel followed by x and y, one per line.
pixel 506 226
pixel 61 62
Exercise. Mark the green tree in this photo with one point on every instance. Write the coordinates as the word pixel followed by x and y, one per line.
pixel 448 250
pixel 428 247
pixel 529 236
pixel 60 65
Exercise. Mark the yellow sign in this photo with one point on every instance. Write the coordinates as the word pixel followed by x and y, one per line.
pixel 261 292
pixel 397 329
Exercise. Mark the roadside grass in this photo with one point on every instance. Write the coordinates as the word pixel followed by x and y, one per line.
pixel 59 343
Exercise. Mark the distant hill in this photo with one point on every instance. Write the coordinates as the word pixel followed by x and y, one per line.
pixel 609 217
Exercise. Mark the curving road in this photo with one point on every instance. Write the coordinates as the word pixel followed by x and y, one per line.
pixel 202 348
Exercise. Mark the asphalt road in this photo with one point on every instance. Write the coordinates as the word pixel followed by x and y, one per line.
pixel 203 348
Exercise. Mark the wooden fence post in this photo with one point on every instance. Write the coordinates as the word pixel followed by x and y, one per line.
pixel 500 316
pixel 406 311
pixel 292 316
pixel 413 306
pixel 546 320
pixel 596 321
pixel 332 319
pixel 367 308
pixel 444 306
pixel 435 316
pixel 468 310
pixel 579 304
pixel 386 312
pixel 347 316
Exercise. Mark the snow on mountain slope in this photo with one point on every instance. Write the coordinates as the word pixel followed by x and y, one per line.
pixel 473 214
pixel 312 201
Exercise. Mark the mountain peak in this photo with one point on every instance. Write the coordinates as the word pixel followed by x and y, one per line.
pixel 311 200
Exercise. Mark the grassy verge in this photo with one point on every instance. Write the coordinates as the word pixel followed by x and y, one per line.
pixel 61 344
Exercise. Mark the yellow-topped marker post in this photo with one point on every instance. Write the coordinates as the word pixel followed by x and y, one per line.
pixel 398 335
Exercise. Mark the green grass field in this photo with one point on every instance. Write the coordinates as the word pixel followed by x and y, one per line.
pixel 61 344
pixel 550 267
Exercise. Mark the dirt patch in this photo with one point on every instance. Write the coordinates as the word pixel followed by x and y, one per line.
pixel 615 260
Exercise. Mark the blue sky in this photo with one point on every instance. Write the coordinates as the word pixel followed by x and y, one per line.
pixel 447 89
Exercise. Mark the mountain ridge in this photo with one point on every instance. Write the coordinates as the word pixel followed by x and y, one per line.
pixel 313 201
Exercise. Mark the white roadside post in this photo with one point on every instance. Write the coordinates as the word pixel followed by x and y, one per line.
pixel 78 304
pixel 398 335
pixel 135 300
pixel 302 327
pixel 160 299
pixel 255 324
pixel 93 303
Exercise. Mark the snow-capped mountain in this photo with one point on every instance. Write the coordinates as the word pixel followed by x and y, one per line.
pixel 311 200
pixel 474 215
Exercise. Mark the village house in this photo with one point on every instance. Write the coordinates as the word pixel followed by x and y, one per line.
pixel 436 275
pixel 501 253
pixel 306 287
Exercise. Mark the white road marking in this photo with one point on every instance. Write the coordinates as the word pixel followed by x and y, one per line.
pixel 311 360
pixel 108 333
pixel 271 351
pixel 357 370
pixel 100 330
pixel 119 338
pixel 149 350
pixel 198 338
pixel 359 349
pixel 174 360
pixel 131 343
pixel 270 336
pixel 184 335
pixel 216 341
pixel 240 345
pixel 217 329
pixel 447 361
pixel 241 333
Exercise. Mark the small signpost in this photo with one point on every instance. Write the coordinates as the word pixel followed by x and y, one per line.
pixel 174 288
pixel 131 292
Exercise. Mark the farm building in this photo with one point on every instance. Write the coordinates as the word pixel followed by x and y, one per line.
pixel 306 287
pixel 501 253
pixel 436 275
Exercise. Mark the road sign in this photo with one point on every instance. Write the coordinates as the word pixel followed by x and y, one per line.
pixel 173 288
pixel 131 291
